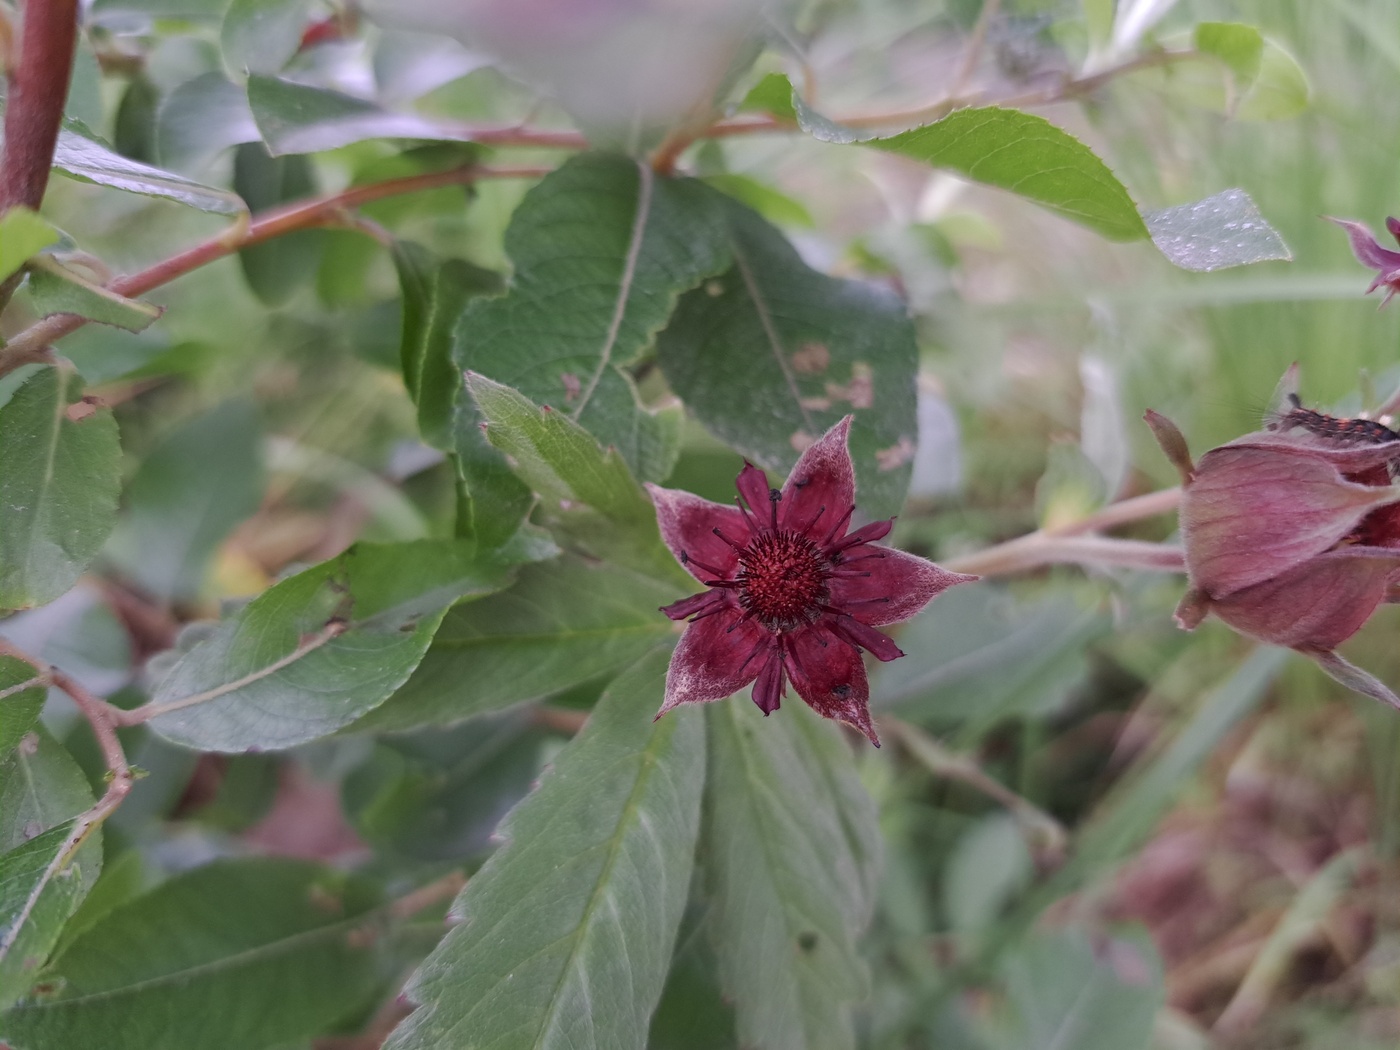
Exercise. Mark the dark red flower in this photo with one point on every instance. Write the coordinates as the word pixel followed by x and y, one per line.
pixel 1368 252
pixel 792 595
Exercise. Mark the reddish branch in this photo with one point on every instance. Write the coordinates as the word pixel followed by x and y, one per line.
pixel 34 106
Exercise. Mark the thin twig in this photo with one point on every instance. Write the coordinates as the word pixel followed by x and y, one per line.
pixel 146 712
pixel 972 53
pixel 32 343
pixel 1046 835
pixel 443 889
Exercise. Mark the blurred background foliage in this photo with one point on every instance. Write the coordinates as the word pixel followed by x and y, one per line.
pixel 1201 843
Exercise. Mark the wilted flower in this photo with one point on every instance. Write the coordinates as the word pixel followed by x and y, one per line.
pixel 1292 534
pixel 792 595
pixel 1368 252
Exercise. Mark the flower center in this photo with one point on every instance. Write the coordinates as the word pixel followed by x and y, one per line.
pixel 782 580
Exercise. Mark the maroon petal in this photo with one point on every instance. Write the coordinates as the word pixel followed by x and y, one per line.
pixel 897 587
pixel 828 674
pixel 752 484
pixel 688 525
pixel 822 487
pixel 1254 511
pixel 768 690
pixel 1366 248
pixel 706 603
pixel 1317 605
pixel 716 657
pixel 849 629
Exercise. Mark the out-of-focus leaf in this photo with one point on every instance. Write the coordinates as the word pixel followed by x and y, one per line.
pixel 389 600
pixel 57 289
pixel 774 206
pixel 58 486
pixel 1280 90
pixel 1030 157
pixel 567 931
pixel 589 498
pixel 771 353
pixel 1239 46
pixel 200 119
pixel 772 94
pixel 434 295
pixel 22 234
pixel 988 864
pixel 163 972
pixel 791 858
pixel 1091 994
pixel 409 65
pixel 134 129
pixel 193 10
pixel 84 159
pixel 41 791
pixel 259 36
pixel 693 1013
pixel 1212 234
pixel 19 707
pixel 276 269
pixel 563 623
pixel 297 118
pixel 602 248
pixel 439 794
pixel 186 497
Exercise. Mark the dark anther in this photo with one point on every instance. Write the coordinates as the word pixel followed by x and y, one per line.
pixel 842 691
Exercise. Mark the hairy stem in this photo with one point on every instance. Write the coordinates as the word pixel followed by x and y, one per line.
pixel 34 106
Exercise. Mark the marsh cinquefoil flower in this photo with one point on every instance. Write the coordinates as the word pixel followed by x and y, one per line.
pixel 1292 534
pixel 792 596
pixel 1368 252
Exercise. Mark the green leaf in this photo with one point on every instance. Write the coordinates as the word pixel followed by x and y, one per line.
pixel 200 119
pixel 1279 92
pixel 602 249
pixel 297 118
pixel 41 791
pixel 772 353
pixel 276 269
pixel 58 488
pixel 774 206
pixel 57 289
pixel 588 496
pixel 772 94
pixel 1099 994
pixel 19 708
pixel 438 794
pixel 1239 46
pixel 186 497
pixel 564 622
pixel 277 674
pixel 260 36
pixel 790 852
pixel 22 234
pixel 1212 234
pixel 86 160
pixel 567 931
pixel 187 959
pixel 434 295
pixel 1030 157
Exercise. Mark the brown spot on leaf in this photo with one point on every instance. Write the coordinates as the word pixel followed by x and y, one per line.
pixel 896 455
pixel 572 386
pixel 79 410
pixel 714 288
pixel 811 359
pixel 860 391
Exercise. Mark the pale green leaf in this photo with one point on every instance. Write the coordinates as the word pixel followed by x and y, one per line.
pixel 58 487
pixel 563 623
pixel 602 248
pixel 41 791
pixel 567 931
pixel 298 118
pixel 1280 90
pixel 791 856
pixel 259 951
pixel 259 36
pixel 22 234
pixel 86 160
pixel 58 289
pixel 1239 46
pixel 588 496
pixel 276 674
pixel 1030 157
pixel 200 119
pixel 772 353
pixel 19 706
pixel 1221 231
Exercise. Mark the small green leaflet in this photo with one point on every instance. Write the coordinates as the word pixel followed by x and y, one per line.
pixel 22 234
pixel 58 289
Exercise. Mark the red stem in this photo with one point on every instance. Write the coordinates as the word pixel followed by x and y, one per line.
pixel 34 108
